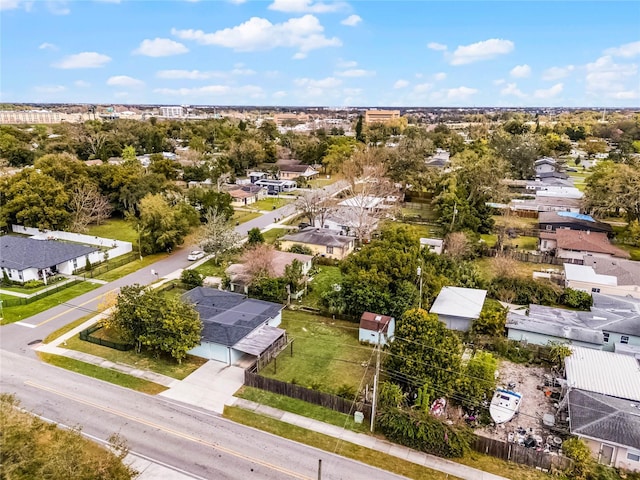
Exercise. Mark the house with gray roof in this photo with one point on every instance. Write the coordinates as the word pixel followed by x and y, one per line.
pixel 23 259
pixel 612 322
pixel 322 241
pixel 458 307
pixel 613 276
pixel 603 401
pixel 234 325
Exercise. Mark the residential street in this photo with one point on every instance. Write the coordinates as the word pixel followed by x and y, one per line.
pixel 183 437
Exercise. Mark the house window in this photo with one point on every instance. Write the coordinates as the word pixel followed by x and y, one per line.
pixel 606 337
pixel 329 249
pixel 549 227
pixel 634 457
pixel 595 290
pixel 544 244
pixel 624 339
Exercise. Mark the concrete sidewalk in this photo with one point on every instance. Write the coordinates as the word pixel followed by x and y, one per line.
pixel 376 444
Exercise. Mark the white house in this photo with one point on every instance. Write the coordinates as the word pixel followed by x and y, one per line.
pixel 613 276
pixel 376 328
pixel 458 307
pixel 432 244
pixel 234 325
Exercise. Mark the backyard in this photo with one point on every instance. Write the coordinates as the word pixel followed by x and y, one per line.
pixel 116 229
pixel 326 354
pixel 270 203
pixel 322 282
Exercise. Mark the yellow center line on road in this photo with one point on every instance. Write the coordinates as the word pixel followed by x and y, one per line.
pixel 75 308
pixel 168 430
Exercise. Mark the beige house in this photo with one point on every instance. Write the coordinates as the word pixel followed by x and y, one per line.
pixel 611 276
pixel 380 116
pixel 293 171
pixel 321 241
pixel 246 195
pixel 576 244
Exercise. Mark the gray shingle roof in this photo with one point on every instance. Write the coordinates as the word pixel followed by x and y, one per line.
pixel 228 317
pixel 627 271
pixel 319 236
pixel 605 417
pixel 20 253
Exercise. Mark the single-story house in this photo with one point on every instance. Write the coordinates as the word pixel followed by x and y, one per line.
pixel 610 275
pixel 559 192
pixel 255 176
pixel 376 328
pixel 321 241
pixel 458 307
pixel 552 221
pixel 434 245
pixel 234 325
pixel 276 186
pixel 612 321
pixel 602 397
pixel 239 278
pixel 366 202
pixel 348 220
pixel 246 195
pixel 24 259
pixel 293 171
pixel 575 244
pixel 546 165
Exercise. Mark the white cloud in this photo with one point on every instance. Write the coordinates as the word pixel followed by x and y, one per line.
pixel 81 84
pixel 626 95
pixel 356 72
pixel 50 89
pixel 187 74
pixel 108 1
pixel 160 47
pixel 352 92
pixel 47 46
pixel 460 93
pixel 58 7
pixel 556 73
pixel 422 87
pixel 11 4
pixel 124 81
pixel 352 20
pixel 479 51
pixel 400 84
pixel 604 77
pixel 279 94
pixel 299 56
pixel 306 6
pixel 347 64
pixel 250 91
pixel 436 46
pixel 329 82
pixel 628 50
pixel 304 33
pixel 520 71
pixel 513 90
pixel 440 76
pixel 83 60
pixel 121 94
pixel 499 81
pixel 237 2
pixel 549 92
pixel 242 71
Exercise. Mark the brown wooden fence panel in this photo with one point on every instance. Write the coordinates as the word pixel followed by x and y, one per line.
pixel 316 397
pixel 519 454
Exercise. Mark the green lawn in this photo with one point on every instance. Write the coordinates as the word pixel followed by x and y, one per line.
pixel 111 376
pixel 520 243
pixel 322 282
pixel 31 291
pixel 67 328
pixel 243 217
pixel 211 269
pixel 579 178
pixel 270 202
pixel 633 251
pixel 20 312
pixel 131 267
pixel 513 221
pixel 115 228
pixel 487 269
pixel 334 445
pixel 143 360
pixel 323 181
pixel 326 354
pixel 270 236
pixel 303 408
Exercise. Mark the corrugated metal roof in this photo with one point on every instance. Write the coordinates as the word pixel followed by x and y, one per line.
pixel 459 302
pixel 603 372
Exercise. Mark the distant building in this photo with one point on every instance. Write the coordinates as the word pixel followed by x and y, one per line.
pixel 293 171
pixel 281 118
pixel 172 112
pixel 575 244
pixel 323 242
pixel 434 245
pixel 9 117
pixel 380 116
pixel 276 186
pixel 551 221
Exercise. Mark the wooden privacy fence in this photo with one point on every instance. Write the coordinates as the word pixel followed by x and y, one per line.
pixel 532 257
pixel 316 397
pixel 519 454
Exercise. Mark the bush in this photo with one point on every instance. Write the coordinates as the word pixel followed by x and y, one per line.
pixel 301 249
pixel 523 291
pixel 346 391
pixel 33 284
pixel 576 299
pixel 329 262
pixel 191 278
pixel 579 452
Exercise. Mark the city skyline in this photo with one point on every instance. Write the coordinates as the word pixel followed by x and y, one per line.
pixel 304 53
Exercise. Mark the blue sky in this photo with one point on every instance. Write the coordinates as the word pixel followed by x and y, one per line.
pixel 307 52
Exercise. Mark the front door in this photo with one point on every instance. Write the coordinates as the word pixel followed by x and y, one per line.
pixel 606 454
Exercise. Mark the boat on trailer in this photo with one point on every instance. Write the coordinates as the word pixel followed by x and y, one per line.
pixel 504 405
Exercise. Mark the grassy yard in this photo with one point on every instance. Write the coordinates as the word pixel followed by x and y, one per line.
pixel 270 202
pixel 633 251
pixel 115 228
pixel 326 354
pixel 20 312
pixel 520 243
pixel 330 444
pixel 322 282
pixel 303 408
pixel 579 178
pixel 131 267
pixel 211 269
pixel 500 467
pixel 514 221
pixel 67 328
pixel 323 181
pixel 270 236
pixel 143 360
pixel 526 269
pixel 243 217
pixel 111 376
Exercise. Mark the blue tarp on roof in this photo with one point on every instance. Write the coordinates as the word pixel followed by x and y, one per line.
pixel 577 216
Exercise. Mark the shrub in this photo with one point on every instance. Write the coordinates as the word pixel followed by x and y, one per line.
pixel 524 291
pixel 346 391
pixel 33 284
pixel 191 278
pixel 255 236
pixel 87 265
pixel 301 249
pixel 576 299
pixel 579 452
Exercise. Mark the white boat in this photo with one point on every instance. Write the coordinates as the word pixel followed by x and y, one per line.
pixel 504 405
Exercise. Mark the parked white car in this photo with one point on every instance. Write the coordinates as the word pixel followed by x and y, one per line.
pixel 195 255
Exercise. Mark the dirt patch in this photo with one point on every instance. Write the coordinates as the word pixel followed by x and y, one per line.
pixel 535 403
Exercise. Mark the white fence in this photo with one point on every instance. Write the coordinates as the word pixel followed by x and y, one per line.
pixel 116 248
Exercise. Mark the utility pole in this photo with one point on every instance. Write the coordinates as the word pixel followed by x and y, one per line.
pixel 319 469
pixel 420 297
pixel 375 384
pixel 455 212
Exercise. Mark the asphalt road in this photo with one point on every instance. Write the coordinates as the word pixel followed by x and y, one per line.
pixel 187 439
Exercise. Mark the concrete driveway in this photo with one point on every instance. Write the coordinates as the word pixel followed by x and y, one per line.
pixel 210 387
